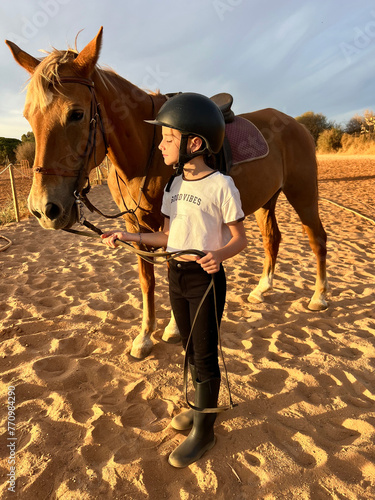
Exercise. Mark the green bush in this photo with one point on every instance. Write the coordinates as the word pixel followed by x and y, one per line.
pixel 329 141
pixel 26 151
pixel 315 123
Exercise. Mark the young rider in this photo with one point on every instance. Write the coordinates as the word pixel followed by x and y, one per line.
pixel 202 211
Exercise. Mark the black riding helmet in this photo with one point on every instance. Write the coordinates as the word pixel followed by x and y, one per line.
pixel 193 115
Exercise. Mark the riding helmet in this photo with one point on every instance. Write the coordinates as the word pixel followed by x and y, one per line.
pixel 196 115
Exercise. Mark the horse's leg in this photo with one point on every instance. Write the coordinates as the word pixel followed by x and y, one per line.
pixel 142 344
pixel 267 223
pixel 171 333
pixel 309 215
pixel 318 243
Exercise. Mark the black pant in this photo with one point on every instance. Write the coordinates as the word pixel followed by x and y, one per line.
pixel 187 285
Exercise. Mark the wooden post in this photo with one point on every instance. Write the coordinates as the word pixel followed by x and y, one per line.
pixel 98 180
pixel 14 193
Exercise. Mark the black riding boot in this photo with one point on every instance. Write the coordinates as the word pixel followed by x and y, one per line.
pixel 184 420
pixel 201 437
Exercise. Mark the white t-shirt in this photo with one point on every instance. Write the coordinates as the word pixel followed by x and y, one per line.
pixel 199 211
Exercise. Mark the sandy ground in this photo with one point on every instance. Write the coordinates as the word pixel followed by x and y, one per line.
pixel 91 422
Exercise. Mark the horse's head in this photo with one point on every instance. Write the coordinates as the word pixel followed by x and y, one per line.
pixel 61 109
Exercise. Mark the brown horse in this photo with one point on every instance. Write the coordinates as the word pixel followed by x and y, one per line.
pixel 73 135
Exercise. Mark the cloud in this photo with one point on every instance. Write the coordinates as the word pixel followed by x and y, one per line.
pixel 288 55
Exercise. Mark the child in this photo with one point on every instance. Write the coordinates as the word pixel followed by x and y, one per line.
pixel 202 211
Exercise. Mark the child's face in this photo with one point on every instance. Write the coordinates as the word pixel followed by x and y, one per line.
pixel 170 145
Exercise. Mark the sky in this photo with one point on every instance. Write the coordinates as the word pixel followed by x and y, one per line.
pixel 292 55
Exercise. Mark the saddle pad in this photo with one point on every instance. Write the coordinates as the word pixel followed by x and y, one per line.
pixel 246 141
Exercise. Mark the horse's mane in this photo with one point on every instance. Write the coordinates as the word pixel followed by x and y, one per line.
pixel 47 74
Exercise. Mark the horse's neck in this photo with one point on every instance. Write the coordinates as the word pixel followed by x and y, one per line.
pixel 130 139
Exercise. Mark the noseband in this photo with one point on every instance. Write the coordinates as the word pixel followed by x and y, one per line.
pixel 90 149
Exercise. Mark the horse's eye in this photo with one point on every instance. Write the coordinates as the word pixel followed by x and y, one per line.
pixel 75 115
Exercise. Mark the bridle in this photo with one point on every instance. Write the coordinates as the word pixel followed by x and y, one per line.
pixel 96 120
pixel 82 186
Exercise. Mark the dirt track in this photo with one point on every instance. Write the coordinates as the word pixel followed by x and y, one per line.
pixel 92 422
pixel 341 178
pixel 348 180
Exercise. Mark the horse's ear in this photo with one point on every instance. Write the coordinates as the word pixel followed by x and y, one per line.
pixel 29 63
pixel 88 57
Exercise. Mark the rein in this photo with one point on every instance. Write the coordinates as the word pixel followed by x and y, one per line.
pixel 151 257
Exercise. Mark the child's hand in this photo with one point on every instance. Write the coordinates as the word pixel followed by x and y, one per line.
pixel 110 238
pixel 210 262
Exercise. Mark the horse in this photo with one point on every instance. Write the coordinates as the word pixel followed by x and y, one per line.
pixel 80 112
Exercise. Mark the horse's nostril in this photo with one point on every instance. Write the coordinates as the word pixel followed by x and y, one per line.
pixel 52 211
pixel 36 213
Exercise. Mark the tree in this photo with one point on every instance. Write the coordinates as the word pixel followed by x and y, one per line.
pixel 354 125
pixel 368 124
pixel 315 123
pixel 361 124
pixel 28 137
pixel 7 149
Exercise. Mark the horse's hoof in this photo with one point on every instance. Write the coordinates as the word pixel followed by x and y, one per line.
pixel 141 347
pixel 255 297
pixel 171 332
pixel 171 336
pixel 318 305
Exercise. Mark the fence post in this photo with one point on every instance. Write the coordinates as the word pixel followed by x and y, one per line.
pixel 14 193
pixel 98 175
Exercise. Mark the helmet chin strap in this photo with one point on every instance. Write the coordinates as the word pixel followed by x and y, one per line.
pixel 184 157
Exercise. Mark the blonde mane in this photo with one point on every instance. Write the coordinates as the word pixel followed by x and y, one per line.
pixel 46 74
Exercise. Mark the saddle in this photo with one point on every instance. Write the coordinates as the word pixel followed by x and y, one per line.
pixel 223 159
pixel 243 141
pixel 224 101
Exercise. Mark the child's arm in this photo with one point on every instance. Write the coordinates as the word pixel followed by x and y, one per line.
pixel 212 260
pixel 158 239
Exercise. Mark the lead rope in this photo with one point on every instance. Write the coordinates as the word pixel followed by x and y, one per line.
pixel 167 256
